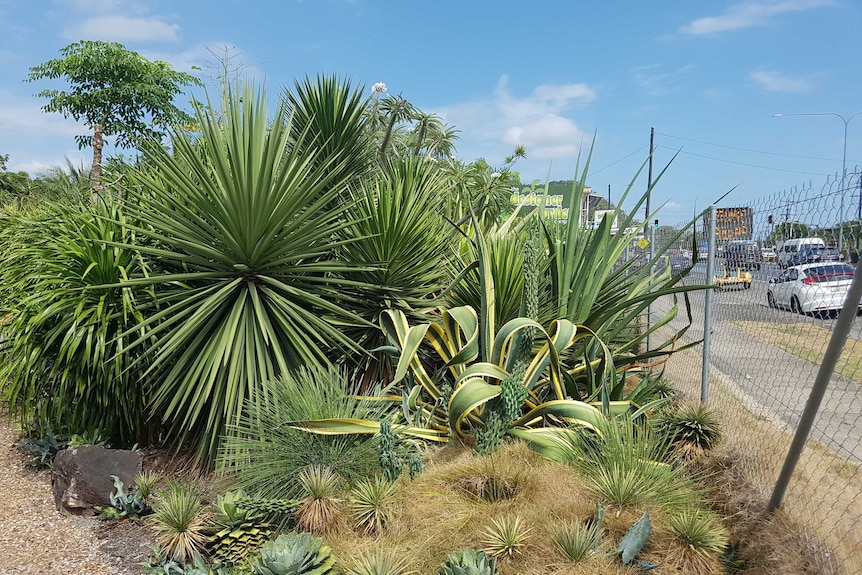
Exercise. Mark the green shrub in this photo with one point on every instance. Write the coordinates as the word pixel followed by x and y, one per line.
pixel 630 464
pixel 264 456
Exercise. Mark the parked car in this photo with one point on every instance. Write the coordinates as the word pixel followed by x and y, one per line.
pixel 815 254
pixel 744 255
pixel 807 288
pixel 788 248
pixel 769 255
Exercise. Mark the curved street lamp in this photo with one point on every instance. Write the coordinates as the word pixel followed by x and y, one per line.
pixel 843 166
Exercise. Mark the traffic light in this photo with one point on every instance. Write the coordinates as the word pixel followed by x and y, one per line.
pixel 655 223
pixel 770 220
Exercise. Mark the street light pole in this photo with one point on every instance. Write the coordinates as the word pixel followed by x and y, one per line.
pixel 843 167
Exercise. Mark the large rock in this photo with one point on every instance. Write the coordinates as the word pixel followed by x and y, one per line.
pixel 82 476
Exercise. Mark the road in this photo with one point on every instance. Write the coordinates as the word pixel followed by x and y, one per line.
pixel 776 381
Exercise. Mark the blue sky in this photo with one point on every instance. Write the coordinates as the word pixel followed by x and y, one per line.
pixel 708 76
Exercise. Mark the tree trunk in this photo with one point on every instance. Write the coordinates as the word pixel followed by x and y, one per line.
pixel 96 173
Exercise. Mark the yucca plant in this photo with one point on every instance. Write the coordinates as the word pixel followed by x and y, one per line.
pixel 506 537
pixel 66 358
pixel 627 464
pixel 371 501
pixel 237 533
pixel 468 562
pixel 398 232
pixel 380 562
pixel 145 483
pixel 247 286
pixel 294 554
pixel 320 507
pixel 179 521
pixel 576 540
pixel 700 530
pixel 692 429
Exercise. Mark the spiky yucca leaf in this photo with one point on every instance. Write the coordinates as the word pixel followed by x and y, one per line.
pixel 576 540
pixel 179 521
pixel 319 508
pixel 700 530
pixel 244 223
pixel 371 501
pixel 380 562
pixel 506 537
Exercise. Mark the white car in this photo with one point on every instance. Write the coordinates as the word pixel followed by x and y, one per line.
pixel 811 288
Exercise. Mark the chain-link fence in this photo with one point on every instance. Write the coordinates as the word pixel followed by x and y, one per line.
pixel 770 324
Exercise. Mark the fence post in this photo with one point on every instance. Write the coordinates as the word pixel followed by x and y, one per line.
pixel 707 307
pixel 821 382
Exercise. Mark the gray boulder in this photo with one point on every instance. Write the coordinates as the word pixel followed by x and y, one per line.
pixel 82 476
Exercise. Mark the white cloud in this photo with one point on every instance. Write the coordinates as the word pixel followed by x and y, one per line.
pixel 27 118
pixel 656 82
pixel 537 121
pixel 749 14
pixel 775 82
pixel 118 28
pixel 90 7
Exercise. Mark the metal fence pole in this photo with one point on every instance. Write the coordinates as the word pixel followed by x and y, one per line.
pixel 821 382
pixel 707 312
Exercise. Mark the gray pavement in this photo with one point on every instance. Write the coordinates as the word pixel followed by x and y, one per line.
pixel 771 382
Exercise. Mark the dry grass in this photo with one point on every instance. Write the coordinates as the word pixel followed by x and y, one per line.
pixel 819 527
pixel 808 342
pixel 439 513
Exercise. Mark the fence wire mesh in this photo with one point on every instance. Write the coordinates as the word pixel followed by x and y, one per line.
pixel 767 342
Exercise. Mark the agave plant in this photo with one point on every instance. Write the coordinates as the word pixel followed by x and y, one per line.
pixel 506 537
pixel 245 221
pixel 468 562
pixel 294 554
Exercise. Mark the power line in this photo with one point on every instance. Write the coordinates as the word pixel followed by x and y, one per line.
pixel 749 150
pixel 593 172
pixel 742 163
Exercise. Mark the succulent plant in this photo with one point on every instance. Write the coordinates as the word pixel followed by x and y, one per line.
pixel 468 562
pixel 237 531
pixel 294 554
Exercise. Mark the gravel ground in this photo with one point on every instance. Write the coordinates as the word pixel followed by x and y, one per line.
pixel 36 539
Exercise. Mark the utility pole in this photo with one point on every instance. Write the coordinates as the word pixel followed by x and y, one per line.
pixel 652 235
pixel 610 206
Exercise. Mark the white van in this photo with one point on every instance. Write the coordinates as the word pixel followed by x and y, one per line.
pixel 790 247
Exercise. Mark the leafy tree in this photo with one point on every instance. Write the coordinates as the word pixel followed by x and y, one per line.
pixel 115 92
pixel 12 184
pixel 787 230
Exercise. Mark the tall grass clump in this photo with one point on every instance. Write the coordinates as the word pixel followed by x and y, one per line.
pixel 264 455
pixel 629 464
pixel 66 357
